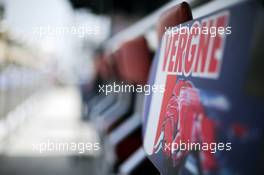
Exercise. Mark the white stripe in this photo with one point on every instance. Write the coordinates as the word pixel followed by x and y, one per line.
pixel 132 161
pixel 155 106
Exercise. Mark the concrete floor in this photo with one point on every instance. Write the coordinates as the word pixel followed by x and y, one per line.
pixel 63 165
pixel 53 116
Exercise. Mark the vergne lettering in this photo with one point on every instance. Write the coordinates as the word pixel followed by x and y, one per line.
pixel 194 53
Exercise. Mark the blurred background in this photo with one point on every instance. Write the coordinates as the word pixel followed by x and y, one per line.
pixel 53 56
pixel 46 57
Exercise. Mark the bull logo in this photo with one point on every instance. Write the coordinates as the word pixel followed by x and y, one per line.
pixel 185 121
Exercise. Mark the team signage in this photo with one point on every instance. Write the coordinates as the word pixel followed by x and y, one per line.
pixel 206 122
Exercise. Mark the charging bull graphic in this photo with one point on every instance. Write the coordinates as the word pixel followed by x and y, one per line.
pixel 206 121
pixel 185 121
